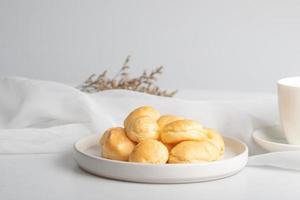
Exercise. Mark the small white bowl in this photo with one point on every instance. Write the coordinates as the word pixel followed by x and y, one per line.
pixel 272 139
pixel 87 151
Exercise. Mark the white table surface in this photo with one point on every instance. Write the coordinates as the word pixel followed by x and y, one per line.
pixel 56 176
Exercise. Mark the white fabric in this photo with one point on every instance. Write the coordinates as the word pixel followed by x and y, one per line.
pixel 44 117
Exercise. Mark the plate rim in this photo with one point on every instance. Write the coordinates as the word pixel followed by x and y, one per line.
pixel 256 132
pixel 168 165
pixel 170 181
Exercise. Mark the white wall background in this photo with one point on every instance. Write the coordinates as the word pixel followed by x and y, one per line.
pixel 205 44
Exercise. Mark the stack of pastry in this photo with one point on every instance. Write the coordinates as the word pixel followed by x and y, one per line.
pixel 148 137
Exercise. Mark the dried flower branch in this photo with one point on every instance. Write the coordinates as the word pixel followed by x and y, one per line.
pixel 121 80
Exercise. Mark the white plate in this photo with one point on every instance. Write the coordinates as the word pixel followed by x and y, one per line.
pixel 87 151
pixel 272 139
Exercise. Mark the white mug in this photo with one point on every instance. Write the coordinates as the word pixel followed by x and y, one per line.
pixel 289 108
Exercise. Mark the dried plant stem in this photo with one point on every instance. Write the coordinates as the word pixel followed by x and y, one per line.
pixel 121 80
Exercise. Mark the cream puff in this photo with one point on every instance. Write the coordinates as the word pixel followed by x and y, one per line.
pixel 142 128
pixel 216 138
pixel 142 111
pixel 194 152
pixel 115 144
pixel 150 151
pixel 182 130
pixel 167 119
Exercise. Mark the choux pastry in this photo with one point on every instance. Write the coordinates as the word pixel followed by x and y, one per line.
pixel 215 138
pixel 115 145
pixel 182 130
pixel 142 111
pixel 142 128
pixel 166 119
pixel 194 152
pixel 148 137
pixel 149 151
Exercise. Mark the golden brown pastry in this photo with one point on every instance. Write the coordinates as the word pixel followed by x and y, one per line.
pixel 166 119
pixel 182 130
pixel 150 151
pixel 115 145
pixel 215 138
pixel 194 152
pixel 142 128
pixel 142 111
pixel 148 137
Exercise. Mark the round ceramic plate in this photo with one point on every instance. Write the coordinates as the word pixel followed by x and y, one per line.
pixel 272 139
pixel 87 155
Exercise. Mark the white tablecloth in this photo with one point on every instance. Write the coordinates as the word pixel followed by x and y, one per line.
pixel 51 174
